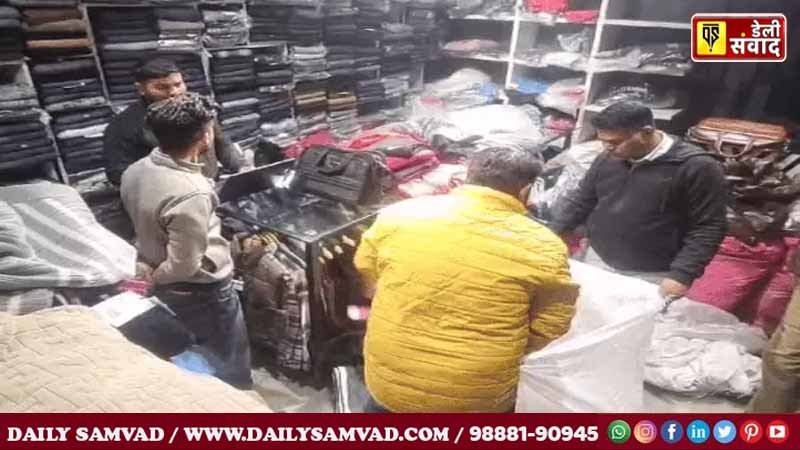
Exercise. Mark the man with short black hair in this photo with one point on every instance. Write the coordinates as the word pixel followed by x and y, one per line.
pixel 172 205
pixel 653 204
pixel 128 138
pixel 464 284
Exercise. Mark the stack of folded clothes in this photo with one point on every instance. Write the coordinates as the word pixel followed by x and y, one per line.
pixel 234 76
pixel 80 137
pixel 55 33
pixel 11 39
pixel 395 86
pixel 274 78
pixel 340 22
pixel 269 23
pixel 371 97
pixel 372 13
pixel 343 109
pixel 341 60
pixel 311 106
pixel 397 39
pixel 69 85
pixel 310 63
pixel 180 27
pixel 396 66
pixel 17 97
pixel 226 25
pixel 24 138
pixel 124 37
pixel 305 26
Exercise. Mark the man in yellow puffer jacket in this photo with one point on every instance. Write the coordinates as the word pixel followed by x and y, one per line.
pixel 464 284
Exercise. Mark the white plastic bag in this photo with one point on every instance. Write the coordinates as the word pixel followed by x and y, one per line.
pixel 598 367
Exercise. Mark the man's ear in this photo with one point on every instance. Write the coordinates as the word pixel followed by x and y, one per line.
pixel 139 88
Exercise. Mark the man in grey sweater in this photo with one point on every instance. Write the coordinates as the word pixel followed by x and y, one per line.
pixel 179 236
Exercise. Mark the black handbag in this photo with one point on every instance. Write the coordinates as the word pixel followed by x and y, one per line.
pixel 355 178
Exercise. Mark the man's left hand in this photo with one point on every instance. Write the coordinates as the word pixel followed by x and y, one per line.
pixel 672 289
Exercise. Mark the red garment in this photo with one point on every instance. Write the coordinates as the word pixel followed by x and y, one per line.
pixel 767 310
pixel 324 138
pixel 548 6
pixel 582 16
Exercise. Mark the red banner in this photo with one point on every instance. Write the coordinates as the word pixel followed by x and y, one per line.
pixel 396 431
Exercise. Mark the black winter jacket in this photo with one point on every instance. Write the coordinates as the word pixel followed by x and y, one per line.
pixel 666 215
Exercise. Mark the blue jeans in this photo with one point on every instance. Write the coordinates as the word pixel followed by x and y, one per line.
pixel 213 314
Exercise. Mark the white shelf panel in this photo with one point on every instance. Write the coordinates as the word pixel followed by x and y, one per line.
pixel 479 58
pixel 648 24
pixel 497 18
pixel 666 73
pixel 658 114
pixel 523 63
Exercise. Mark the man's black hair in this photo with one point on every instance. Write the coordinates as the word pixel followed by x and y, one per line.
pixel 503 169
pixel 151 69
pixel 624 116
pixel 179 122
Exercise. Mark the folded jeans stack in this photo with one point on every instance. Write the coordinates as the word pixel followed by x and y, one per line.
pixel 12 41
pixel 69 85
pixel 17 97
pixel 311 106
pixel 275 78
pixel 340 22
pixel 397 39
pixel 372 13
pixel 371 97
pixel 343 111
pixel 234 77
pixel 79 135
pixel 226 25
pixel 305 26
pixel 269 23
pixel 341 61
pixel 310 63
pixel 24 140
pixel 55 32
pixel 180 27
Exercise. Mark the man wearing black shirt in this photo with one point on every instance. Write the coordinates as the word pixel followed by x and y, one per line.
pixel 128 139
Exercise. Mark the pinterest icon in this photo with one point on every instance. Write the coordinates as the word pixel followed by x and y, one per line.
pixel 751 432
pixel 645 432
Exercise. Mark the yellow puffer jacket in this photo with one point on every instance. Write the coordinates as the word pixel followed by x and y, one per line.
pixel 456 277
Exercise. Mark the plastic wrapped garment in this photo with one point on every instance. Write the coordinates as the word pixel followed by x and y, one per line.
pixel 644 93
pixel 662 57
pixel 573 165
pixel 580 42
pixel 469 46
pixel 564 95
pixel 701 350
pixel 598 367
pixel 463 89
pixel 510 126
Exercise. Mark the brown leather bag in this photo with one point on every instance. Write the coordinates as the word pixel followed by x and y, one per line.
pixel 734 139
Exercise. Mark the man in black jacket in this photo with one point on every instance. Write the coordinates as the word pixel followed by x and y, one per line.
pixel 654 205
pixel 128 139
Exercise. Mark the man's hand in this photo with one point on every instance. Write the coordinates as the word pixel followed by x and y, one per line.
pixel 144 272
pixel 672 289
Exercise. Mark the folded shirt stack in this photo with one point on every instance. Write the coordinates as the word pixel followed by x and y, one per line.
pixel 54 33
pixel 234 76
pixel 180 27
pixel 227 25
pixel 340 22
pixel 269 23
pixel 305 26
pixel 343 110
pixel 311 106
pixel 128 29
pixel 69 85
pixel 79 135
pixel 309 63
pixel 12 41
pixel 25 140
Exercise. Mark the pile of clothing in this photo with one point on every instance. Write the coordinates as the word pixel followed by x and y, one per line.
pixel 311 106
pixel 648 94
pixel 549 10
pixel 310 63
pixel 657 58
pixel 79 135
pixel 12 41
pixel 305 26
pixel 124 36
pixel 227 25
pixel 269 23
pixel 54 33
pixel 275 79
pixel 465 88
pixel 180 27
pixel 234 76
pixel 24 139
pixel 473 47
pixel 343 109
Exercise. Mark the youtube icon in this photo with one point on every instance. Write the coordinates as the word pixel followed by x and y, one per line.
pixel 777 432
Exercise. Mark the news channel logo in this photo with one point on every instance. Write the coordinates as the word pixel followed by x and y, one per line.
pixel 645 432
pixel 619 431
pixel 724 432
pixel 698 432
pixel 672 432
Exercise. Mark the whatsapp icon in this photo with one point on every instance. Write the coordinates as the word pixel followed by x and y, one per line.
pixel 619 431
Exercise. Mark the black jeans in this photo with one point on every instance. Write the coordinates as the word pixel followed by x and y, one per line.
pixel 214 314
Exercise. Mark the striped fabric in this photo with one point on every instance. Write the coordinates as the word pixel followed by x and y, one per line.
pixel 50 239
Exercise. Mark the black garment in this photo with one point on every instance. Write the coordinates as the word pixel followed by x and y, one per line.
pixel 656 216
pixel 128 140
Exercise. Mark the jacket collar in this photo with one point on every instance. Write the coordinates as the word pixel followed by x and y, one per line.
pixel 491 198
pixel 162 159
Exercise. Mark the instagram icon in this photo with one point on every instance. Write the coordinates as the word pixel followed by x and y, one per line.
pixel 645 432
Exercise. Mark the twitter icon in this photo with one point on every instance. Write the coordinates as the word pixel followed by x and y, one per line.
pixel 724 431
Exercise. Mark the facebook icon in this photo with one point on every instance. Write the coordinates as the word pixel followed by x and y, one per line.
pixel 671 432
pixel 698 432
